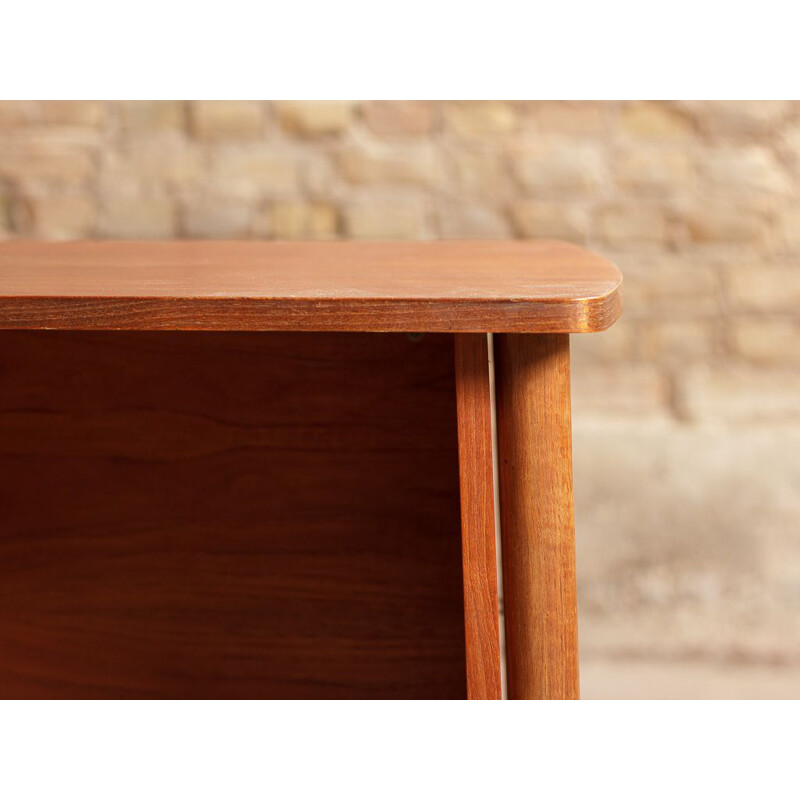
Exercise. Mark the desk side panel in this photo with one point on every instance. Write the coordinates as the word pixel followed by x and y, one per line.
pixel 229 515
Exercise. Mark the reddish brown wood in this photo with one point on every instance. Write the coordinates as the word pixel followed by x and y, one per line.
pixel 537 521
pixel 479 555
pixel 358 286
pixel 229 515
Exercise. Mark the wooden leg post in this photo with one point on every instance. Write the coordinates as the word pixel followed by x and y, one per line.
pixel 537 519
pixel 479 558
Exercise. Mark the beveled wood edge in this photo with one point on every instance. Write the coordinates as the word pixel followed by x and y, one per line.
pixel 582 315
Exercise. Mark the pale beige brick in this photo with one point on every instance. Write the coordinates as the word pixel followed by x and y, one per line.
pixel 166 159
pixel 399 117
pixel 47 156
pixel 622 391
pixel 137 217
pixel 5 208
pixel 540 219
pixel 36 113
pixel 737 118
pixel 788 227
pixel 254 171
pixel 17 113
pixel 671 286
pixel 740 395
pixel 483 173
pixel 300 220
pixel 390 218
pixel 417 165
pixel 470 221
pixel 560 169
pixel 62 215
pixel 152 115
pixel 768 341
pixel 731 171
pixel 478 118
pixel 315 117
pixel 656 120
pixel 631 223
pixel 756 287
pixel 571 119
pixel 216 218
pixel 788 145
pixel 678 340
pixel 227 119
pixel 655 171
pixel 724 221
pixel 617 344
pixel 87 113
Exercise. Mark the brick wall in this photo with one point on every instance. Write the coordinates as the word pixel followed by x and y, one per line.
pixel 687 413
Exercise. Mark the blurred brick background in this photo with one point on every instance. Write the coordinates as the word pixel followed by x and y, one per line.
pixel 687 413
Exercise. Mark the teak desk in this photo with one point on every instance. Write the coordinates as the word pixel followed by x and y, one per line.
pixel 254 469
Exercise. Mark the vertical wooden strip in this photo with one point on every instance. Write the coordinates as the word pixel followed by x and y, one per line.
pixel 537 519
pixel 481 613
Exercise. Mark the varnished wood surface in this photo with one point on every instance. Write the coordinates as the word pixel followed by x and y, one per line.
pixel 537 520
pixel 481 613
pixel 358 286
pixel 229 515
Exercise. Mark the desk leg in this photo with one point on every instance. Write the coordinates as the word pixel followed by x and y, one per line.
pixel 537 521
pixel 481 614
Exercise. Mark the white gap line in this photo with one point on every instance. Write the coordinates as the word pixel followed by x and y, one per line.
pixel 498 539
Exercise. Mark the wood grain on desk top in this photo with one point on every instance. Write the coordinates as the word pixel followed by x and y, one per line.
pixel 541 286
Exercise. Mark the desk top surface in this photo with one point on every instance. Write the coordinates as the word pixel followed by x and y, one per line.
pixel 537 287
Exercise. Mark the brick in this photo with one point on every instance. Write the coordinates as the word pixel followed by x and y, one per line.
pixel 469 221
pixel 390 218
pixel 169 160
pixel 5 208
pixel 399 118
pixel 678 340
pixel 788 145
pixel 483 173
pixel 741 170
pixel 83 113
pixel 78 113
pixel 626 223
pixel 539 219
pixel 300 220
pixel 655 171
pixel 759 288
pixel 47 156
pixel 671 286
pixel 216 218
pixel 737 118
pixel 654 120
pixel 787 224
pixel 617 344
pixel 767 341
pixel 315 117
pixel 137 217
pixel 481 118
pixel 560 170
pixel 17 113
pixel 254 171
pixel 62 215
pixel 153 115
pixel 724 221
pixel 619 391
pixel 213 120
pixel 419 165
pixel 571 119
pixel 740 395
